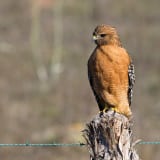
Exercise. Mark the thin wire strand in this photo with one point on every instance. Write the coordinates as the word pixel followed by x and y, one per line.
pixel 43 145
pixel 27 144
pixel 149 142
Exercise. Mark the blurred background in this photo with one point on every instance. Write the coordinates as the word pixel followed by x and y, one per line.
pixel 45 96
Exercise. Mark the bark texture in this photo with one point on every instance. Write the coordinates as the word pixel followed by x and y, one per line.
pixel 109 137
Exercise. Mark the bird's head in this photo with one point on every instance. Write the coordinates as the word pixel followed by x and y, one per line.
pixel 106 35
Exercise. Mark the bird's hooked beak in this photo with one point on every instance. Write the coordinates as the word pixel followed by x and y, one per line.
pixel 95 37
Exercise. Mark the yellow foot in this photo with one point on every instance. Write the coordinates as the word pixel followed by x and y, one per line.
pixel 104 110
pixel 114 109
pixel 127 112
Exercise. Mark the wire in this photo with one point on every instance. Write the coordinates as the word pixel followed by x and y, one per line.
pixel 27 144
pixel 150 142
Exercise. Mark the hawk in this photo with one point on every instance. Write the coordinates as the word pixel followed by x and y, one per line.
pixel 111 72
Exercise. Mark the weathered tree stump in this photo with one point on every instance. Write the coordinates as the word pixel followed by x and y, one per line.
pixel 109 137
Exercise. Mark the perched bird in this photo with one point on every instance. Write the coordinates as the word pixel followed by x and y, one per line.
pixel 111 72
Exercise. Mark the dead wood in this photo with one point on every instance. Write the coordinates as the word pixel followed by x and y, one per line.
pixel 109 137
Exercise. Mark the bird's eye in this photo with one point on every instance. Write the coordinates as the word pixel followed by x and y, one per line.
pixel 103 35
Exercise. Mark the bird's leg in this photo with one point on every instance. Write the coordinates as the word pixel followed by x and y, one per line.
pixel 125 110
pixel 114 109
pixel 105 109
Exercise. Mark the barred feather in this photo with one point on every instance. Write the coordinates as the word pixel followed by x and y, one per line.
pixel 131 77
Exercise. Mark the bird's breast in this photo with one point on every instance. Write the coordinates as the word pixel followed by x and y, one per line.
pixel 110 69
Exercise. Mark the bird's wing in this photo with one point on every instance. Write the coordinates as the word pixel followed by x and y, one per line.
pixel 131 78
pixel 98 99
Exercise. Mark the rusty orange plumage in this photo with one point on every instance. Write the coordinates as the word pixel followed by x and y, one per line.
pixel 111 71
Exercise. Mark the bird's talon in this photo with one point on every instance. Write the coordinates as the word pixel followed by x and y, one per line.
pixel 101 112
pixel 114 109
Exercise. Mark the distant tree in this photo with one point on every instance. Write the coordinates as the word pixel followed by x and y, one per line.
pixel 35 42
pixel 54 70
